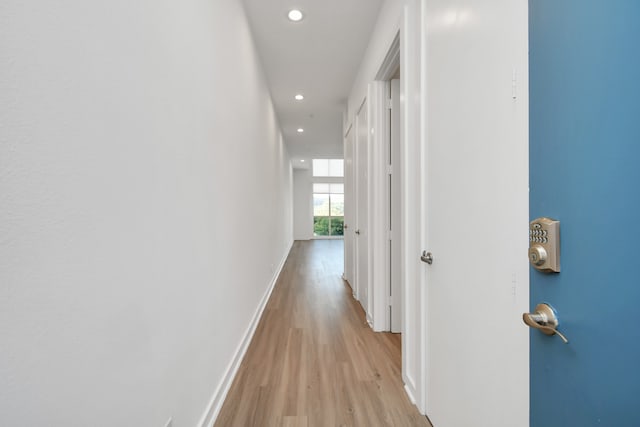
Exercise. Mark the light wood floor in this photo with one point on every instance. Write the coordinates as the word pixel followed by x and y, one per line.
pixel 313 360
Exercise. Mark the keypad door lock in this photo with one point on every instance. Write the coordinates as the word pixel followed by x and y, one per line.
pixel 544 244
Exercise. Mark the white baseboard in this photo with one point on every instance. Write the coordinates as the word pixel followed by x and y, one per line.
pixel 410 394
pixel 213 409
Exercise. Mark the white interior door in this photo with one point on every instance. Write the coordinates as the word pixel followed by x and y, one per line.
pixel 349 209
pixel 476 213
pixel 395 214
pixel 362 211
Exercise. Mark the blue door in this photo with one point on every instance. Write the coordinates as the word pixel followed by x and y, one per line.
pixel 585 172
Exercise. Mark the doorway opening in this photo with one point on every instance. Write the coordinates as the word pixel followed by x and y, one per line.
pixel 328 209
pixel 387 85
pixel 377 172
pixel 328 198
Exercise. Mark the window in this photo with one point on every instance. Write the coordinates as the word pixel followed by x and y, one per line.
pixel 328 209
pixel 328 167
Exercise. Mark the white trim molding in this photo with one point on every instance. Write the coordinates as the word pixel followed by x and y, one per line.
pixel 216 402
pixel 378 206
pixel 414 355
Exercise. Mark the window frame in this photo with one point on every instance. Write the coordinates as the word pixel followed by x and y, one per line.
pixel 328 168
pixel 330 187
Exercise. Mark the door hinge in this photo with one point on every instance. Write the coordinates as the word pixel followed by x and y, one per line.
pixel 390 234
pixel 389 170
pixel 389 104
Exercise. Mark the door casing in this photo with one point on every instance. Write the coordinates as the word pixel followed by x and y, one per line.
pixel 362 208
pixel 350 215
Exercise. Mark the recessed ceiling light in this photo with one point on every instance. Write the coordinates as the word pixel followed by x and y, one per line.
pixel 302 161
pixel 300 130
pixel 299 97
pixel 295 15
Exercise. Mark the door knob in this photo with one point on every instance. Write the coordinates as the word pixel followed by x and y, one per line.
pixel 345 226
pixel 545 320
pixel 426 257
pixel 357 232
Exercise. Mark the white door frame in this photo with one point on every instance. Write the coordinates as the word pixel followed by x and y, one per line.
pixel 395 208
pixel 349 219
pixel 413 147
pixel 363 281
pixel 379 237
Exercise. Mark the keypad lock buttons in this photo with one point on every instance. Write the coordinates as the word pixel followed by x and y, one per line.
pixel 544 244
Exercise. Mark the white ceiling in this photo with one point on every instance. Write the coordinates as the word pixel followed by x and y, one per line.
pixel 318 57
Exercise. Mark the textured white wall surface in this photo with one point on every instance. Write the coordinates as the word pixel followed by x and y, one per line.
pixel 145 204
pixel 384 32
pixel 302 204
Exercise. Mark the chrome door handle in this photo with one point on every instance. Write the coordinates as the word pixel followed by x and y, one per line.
pixel 357 231
pixel 545 320
pixel 426 257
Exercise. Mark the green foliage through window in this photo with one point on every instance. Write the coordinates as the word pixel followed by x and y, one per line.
pixel 328 209
pixel 328 226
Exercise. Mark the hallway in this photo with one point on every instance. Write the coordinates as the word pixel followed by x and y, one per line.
pixel 313 360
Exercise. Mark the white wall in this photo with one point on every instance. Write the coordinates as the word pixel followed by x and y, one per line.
pixel 302 204
pixel 141 171
pixel 384 32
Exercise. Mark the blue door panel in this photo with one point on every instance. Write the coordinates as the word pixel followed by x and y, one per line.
pixel 585 172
